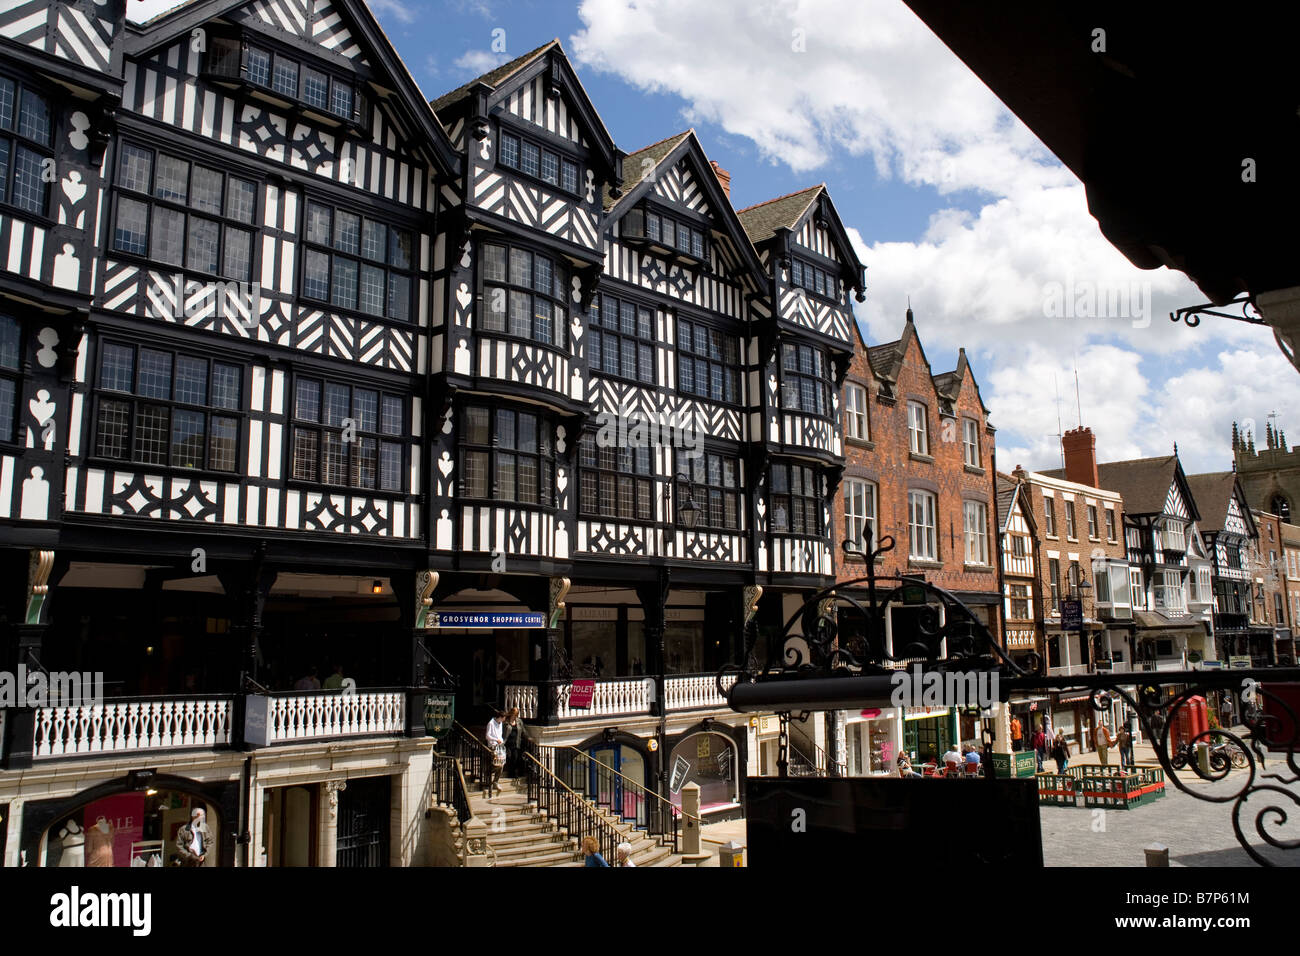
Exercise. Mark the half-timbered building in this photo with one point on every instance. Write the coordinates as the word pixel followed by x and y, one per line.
pixel 217 324
pixel 309 381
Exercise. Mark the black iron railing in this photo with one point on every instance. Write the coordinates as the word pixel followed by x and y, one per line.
pixel 571 811
pixel 623 797
pixel 449 787
pixel 476 758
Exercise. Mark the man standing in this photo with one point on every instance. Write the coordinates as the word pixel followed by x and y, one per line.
pixel 1039 743
pixel 193 839
pixel 1016 733
pixel 1125 742
pixel 1104 742
pixel 335 680
pixel 1226 710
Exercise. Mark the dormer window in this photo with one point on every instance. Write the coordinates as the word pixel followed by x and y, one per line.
pixel 804 275
pixel 674 234
pixel 290 77
pixel 530 158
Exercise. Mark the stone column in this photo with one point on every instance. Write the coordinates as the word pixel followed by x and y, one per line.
pixel 327 842
pixel 690 817
pixel 14 833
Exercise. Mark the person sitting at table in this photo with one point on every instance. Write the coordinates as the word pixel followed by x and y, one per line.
pixel 952 758
pixel 905 767
pixel 973 755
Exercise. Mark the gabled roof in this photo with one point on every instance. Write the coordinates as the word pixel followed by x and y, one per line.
pixel 948 384
pixel 497 83
pixel 1008 490
pixel 887 359
pixel 633 163
pixel 667 153
pixel 762 220
pixel 1213 492
pixel 492 78
pixel 180 21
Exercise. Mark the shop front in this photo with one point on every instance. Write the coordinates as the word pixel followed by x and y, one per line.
pixel 928 732
pixel 873 742
pixel 711 760
pixel 136 828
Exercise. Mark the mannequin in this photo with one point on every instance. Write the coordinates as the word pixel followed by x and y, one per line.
pixel 74 845
pixel 99 844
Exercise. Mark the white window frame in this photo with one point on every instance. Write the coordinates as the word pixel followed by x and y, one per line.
pixel 1049 515
pixel 864 492
pixel 1138 592
pixel 1175 536
pixel 1111 525
pixel 856 425
pixel 922 525
pixel 1100 579
pixel 975 521
pixel 1071 532
pixel 917 428
pixel 970 437
pixel 1094 531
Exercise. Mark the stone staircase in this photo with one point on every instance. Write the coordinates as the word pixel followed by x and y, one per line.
pixel 520 835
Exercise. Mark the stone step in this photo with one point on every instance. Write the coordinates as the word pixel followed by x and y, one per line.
pixel 550 859
pixel 535 846
pixel 514 841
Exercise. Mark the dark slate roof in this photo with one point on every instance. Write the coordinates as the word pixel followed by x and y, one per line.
pixel 885 359
pixel 1212 492
pixel 763 219
pixel 492 78
pixel 632 163
pixel 1007 488
pixel 1143 482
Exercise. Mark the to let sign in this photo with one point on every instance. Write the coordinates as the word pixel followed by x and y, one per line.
pixel 1072 615
pixel 581 692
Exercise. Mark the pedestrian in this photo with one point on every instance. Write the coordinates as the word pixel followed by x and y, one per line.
pixel 590 849
pixel 515 741
pixel 1124 740
pixel 1104 742
pixel 1016 734
pixel 496 742
pixel 1039 742
pixel 1226 711
pixel 623 854
pixel 335 680
pixel 193 839
pixel 1061 751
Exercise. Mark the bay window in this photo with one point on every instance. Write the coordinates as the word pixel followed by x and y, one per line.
pixel 25 146
pixel 708 362
pixel 804 380
pixel 644 222
pixel 526 156
pixel 507 455
pixel 796 500
pixel 524 294
pixel 290 77
pixel 621 340
pixel 715 487
pixel 615 482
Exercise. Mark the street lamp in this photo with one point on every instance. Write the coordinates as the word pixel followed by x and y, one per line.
pixel 689 511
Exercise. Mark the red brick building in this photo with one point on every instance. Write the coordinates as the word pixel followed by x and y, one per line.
pixel 919 454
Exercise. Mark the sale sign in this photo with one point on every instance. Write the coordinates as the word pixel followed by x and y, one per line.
pixel 581 692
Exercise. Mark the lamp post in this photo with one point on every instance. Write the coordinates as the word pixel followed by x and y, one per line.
pixel 688 511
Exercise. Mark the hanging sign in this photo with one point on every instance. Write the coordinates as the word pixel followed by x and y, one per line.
pixel 1072 615
pixel 486 619
pixel 581 692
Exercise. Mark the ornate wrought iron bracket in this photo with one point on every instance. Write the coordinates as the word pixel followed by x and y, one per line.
pixel 1192 314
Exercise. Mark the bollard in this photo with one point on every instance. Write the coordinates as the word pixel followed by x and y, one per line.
pixel 731 854
pixel 1203 757
pixel 1157 854
pixel 690 819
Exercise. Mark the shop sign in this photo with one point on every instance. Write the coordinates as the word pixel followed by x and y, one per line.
pixel 486 619
pixel 581 692
pixel 1072 615
pixel 918 713
pixel 1239 661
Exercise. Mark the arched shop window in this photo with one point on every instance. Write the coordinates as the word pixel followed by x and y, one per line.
pixel 137 828
pixel 706 759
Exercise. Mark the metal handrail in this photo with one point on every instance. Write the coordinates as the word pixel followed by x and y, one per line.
pixel 640 786
pixel 572 808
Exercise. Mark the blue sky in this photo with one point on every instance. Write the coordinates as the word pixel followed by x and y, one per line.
pixel 949 198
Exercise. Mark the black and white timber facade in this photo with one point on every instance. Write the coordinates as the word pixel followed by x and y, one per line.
pixel 295 366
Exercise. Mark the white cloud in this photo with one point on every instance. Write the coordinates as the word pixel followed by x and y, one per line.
pixel 1026 281
pixel 478 62
pixel 400 11
pixel 141 11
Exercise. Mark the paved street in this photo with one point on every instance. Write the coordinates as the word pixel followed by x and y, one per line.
pixel 1197 832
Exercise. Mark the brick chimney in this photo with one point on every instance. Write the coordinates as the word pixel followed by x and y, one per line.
pixel 724 177
pixel 1080 447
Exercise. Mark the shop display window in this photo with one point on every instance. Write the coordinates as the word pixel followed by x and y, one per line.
pixel 126 829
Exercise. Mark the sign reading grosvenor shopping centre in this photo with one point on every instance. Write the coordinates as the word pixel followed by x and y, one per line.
pixel 489 619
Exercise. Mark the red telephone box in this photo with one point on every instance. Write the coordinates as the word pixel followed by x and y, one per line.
pixel 1189 719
